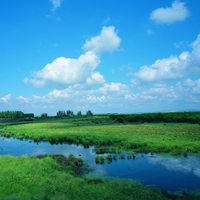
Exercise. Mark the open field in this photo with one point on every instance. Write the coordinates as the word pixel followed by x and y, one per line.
pixel 158 137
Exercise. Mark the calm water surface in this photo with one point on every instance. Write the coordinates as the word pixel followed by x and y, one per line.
pixel 164 172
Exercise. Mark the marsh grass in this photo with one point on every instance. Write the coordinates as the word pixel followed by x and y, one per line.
pixel 122 156
pixel 97 159
pixel 154 137
pixel 58 177
pixel 115 157
pixel 27 177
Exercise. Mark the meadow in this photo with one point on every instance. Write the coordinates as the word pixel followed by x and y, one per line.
pixel 177 138
pixel 56 177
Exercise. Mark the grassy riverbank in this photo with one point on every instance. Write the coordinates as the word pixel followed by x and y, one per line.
pixel 159 137
pixel 51 177
pixel 47 178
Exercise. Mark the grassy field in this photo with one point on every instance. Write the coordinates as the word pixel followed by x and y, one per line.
pixel 54 178
pixel 159 137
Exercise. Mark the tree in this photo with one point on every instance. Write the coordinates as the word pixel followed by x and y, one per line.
pixel 79 114
pixel 89 113
pixel 70 113
pixel 61 113
pixel 44 115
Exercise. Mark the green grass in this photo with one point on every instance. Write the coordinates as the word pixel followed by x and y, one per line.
pixel 159 137
pixel 30 178
pixel 54 177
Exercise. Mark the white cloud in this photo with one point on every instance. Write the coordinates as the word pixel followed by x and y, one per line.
pixel 6 98
pixel 68 71
pixel 131 97
pixel 106 41
pixel 56 4
pixel 95 79
pixel 59 94
pixel 156 91
pixel 26 80
pixel 37 83
pixel 174 67
pixel 94 99
pixel 188 83
pixel 148 97
pixel 23 99
pixel 112 88
pixel 134 82
pixel 160 85
pixel 72 92
pixel 169 15
pixel 196 88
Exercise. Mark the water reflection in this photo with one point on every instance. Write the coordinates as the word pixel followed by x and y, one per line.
pixel 164 172
pixel 186 165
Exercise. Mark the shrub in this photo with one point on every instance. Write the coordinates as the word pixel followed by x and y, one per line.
pixel 120 119
pixel 109 156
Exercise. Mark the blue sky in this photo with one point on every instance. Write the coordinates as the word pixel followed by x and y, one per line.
pixel 106 56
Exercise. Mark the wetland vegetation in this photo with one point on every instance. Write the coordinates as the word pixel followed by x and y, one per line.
pixel 58 177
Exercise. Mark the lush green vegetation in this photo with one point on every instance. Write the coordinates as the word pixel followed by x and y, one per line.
pixel 159 137
pixel 52 177
pixel 11 114
pixel 15 115
pixel 57 177
pixel 190 117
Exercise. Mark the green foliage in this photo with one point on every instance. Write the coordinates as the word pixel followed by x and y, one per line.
pixel 70 113
pixel 28 115
pixel 89 113
pixel 156 137
pixel 11 114
pixel 120 119
pixel 25 177
pixel 101 157
pixel 109 156
pixel 191 117
pixel 61 114
pixel 44 115
pixel 122 156
pixel 79 114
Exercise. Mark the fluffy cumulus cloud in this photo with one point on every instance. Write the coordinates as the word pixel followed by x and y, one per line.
pixel 113 88
pixel 169 15
pixel 174 67
pixel 5 98
pixel 106 41
pixel 95 79
pixel 65 71
pixel 114 96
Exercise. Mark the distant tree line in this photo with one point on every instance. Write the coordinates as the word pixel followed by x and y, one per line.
pixel 44 115
pixel 15 115
pixel 190 117
pixel 70 113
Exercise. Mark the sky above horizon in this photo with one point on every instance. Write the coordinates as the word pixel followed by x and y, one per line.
pixel 105 56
